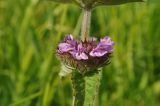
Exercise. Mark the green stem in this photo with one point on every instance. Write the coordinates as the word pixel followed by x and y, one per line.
pixel 85 88
pixel 85 24
pixel 92 83
pixel 78 85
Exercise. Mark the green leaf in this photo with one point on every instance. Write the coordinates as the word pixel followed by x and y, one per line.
pixel 65 71
pixel 93 3
pixel 115 2
pixel 62 1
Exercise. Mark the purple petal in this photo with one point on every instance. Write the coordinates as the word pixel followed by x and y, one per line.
pixel 79 53
pixel 105 46
pixel 69 44
pixel 80 48
pixel 65 47
pixel 68 38
pixel 106 41
pixel 81 56
pixel 98 53
pixel 73 53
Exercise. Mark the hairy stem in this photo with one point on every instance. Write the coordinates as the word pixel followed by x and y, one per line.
pixel 78 85
pixel 92 83
pixel 85 24
pixel 85 88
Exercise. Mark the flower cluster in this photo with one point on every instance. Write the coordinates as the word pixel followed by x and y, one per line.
pixel 85 55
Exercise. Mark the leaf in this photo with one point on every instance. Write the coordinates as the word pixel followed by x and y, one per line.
pixel 93 3
pixel 62 1
pixel 65 71
pixel 115 2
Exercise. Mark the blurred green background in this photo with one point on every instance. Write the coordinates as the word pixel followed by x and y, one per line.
pixel 31 29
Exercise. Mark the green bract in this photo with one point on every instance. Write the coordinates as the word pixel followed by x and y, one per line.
pixel 93 3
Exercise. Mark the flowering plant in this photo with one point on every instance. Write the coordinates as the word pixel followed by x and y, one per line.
pixel 86 56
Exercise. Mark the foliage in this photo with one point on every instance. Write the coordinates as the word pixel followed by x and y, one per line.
pixel 30 31
pixel 88 4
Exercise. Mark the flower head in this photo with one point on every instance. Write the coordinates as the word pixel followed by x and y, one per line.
pixel 85 55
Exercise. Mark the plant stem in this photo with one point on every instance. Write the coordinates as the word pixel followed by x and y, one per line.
pixel 85 88
pixel 78 85
pixel 92 83
pixel 85 24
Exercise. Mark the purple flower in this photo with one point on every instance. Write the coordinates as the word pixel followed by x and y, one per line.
pixel 69 44
pixel 85 55
pixel 65 47
pixel 79 54
pixel 105 46
pixel 69 39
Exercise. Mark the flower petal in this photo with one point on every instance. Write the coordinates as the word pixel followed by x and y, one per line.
pixel 105 46
pixel 106 41
pixel 81 56
pixel 99 53
pixel 69 37
pixel 65 47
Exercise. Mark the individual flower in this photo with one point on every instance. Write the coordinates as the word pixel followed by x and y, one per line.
pixel 85 55
pixel 105 46
pixel 68 45
pixel 79 53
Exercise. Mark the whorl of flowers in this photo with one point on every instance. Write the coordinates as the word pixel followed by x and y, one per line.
pixel 85 55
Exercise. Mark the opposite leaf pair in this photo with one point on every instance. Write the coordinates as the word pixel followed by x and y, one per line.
pixel 93 3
